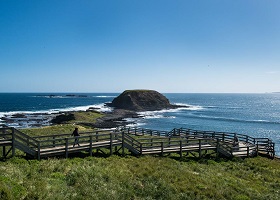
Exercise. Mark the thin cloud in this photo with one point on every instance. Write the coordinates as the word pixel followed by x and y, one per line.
pixel 273 72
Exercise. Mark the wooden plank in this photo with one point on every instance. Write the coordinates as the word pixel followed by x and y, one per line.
pixel 83 146
pixel 5 142
pixel 177 149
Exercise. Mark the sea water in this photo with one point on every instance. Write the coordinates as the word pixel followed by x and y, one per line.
pixel 257 115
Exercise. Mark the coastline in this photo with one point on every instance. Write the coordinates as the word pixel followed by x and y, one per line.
pixel 250 114
pixel 109 119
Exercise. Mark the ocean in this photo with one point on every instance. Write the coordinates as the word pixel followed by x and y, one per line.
pixel 257 115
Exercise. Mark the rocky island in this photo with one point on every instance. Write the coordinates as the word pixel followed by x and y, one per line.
pixel 141 100
pixel 129 103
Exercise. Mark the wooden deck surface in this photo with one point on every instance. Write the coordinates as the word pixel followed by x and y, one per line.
pixel 175 149
pixel 84 146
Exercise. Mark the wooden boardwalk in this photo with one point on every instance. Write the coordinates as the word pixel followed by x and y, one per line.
pixel 150 142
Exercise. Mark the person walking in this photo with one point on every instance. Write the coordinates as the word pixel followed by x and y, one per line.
pixel 236 143
pixel 76 135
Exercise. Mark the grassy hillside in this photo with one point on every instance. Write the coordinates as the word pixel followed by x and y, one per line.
pixel 145 177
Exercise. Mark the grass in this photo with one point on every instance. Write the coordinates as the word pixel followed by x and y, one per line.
pixel 144 177
pixel 86 117
pixel 55 129
pixel 128 177
pixel 81 118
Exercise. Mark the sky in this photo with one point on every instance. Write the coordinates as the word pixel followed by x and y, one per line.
pixel 188 46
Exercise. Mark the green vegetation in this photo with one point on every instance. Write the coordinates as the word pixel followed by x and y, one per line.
pixel 147 177
pixel 139 90
pixel 50 130
pixel 80 119
pixel 84 117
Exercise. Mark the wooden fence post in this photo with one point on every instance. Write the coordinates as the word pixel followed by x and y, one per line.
pixel 39 151
pixel 217 148
pixel 123 143
pixel 257 148
pixel 273 153
pixel 53 141
pixel 96 136
pixel 199 148
pixel 111 143
pixel 90 145
pixel 4 147
pixel 13 142
pixel 161 148
pixel 181 151
pixel 66 148
pixel 116 137
pixel 4 151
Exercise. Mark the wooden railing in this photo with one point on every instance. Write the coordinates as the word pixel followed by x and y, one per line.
pixel 154 142
pixel 176 145
pixel 252 145
pixel 58 144
pixel 16 139
pixel 130 143
pixel 64 144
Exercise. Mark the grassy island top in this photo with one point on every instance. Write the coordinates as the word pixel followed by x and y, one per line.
pixel 139 90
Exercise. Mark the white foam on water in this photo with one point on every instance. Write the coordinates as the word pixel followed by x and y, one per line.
pixel 52 96
pixel 160 113
pixel 136 124
pixel 188 107
pixel 101 107
pixel 103 96
pixel 43 117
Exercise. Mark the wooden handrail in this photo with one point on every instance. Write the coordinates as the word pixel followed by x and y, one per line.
pixel 222 136
pixel 174 139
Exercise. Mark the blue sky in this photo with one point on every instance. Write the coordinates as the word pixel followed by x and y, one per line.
pixel 165 45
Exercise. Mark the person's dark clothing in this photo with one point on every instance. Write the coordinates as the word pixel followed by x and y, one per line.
pixel 76 135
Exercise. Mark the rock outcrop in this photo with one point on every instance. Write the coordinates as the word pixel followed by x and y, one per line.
pixel 129 103
pixel 141 100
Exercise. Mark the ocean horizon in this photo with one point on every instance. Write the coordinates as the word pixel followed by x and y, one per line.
pixel 253 114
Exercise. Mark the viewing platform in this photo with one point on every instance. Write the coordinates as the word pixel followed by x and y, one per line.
pixel 138 141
